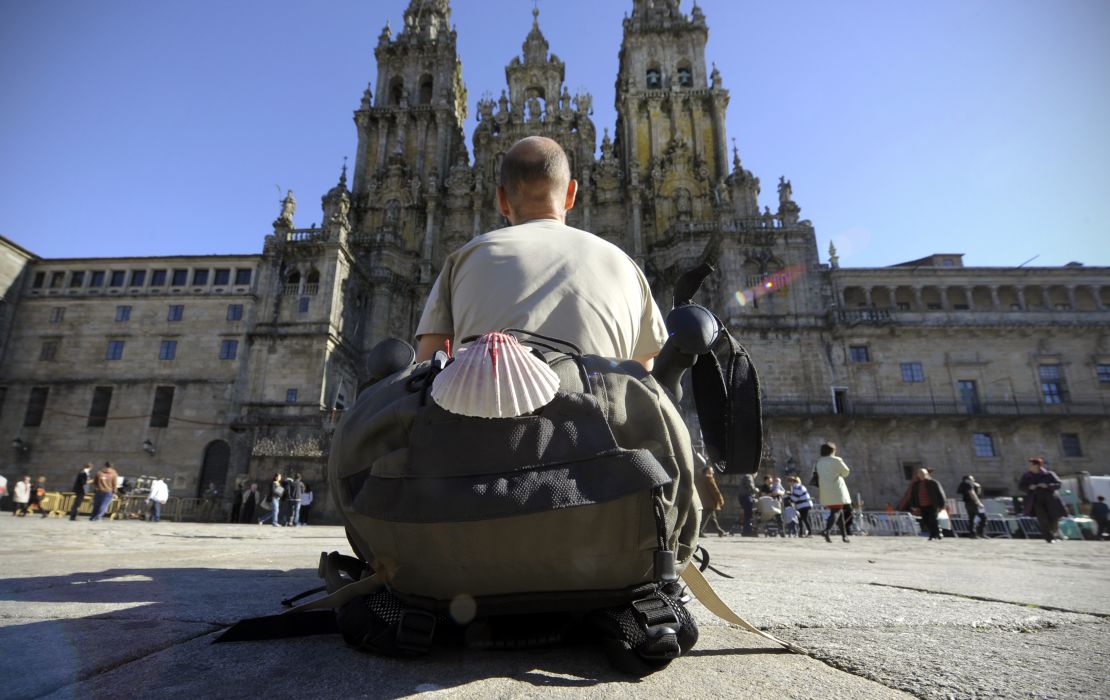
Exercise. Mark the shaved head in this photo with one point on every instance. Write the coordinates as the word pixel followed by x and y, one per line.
pixel 534 169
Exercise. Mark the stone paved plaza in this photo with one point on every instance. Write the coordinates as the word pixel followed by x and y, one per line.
pixel 115 609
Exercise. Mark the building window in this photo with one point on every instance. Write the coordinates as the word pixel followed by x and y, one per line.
pixel 57 279
pixel 903 306
pixel 685 78
pixel 983 444
pixel 96 279
pixel 340 402
pixel 98 411
pixel 76 279
pixel 1103 373
pixel 117 279
pixel 176 312
pixel 36 406
pixel 1053 388
pixel 969 395
pixel 39 280
pixel 200 278
pixel 48 350
pixel 168 350
pixel 163 404
pixel 654 79
pixel 123 313
pixel 158 278
pixel 229 349
pixel 1069 444
pixel 234 312
pixel 302 306
pixel 115 350
pixel 290 396
pixel 138 278
pixel 222 276
pixel 243 276
pixel 912 372
pixel 57 314
pixel 859 353
pixel 180 278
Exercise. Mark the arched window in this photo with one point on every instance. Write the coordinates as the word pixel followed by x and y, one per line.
pixel 685 77
pixel 312 281
pixel 293 282
pixel 426 90
pixel 396 91
pixel 654 78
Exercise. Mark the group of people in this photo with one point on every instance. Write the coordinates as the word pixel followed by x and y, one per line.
pixel 288 501
pixel 787 507
pixel 28 496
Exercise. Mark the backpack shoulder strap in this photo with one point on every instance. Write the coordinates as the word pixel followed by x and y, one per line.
pixel 726 389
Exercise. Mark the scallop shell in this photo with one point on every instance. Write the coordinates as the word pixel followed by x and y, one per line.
pixel 495 377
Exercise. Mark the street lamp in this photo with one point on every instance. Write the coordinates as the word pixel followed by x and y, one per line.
pixel 20 446
pixel 148 447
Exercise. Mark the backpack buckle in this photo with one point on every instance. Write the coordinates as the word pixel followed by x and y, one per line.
pixel 656 617
pixel 415 631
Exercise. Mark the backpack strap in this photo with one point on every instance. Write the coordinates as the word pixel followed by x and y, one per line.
pixel 708 597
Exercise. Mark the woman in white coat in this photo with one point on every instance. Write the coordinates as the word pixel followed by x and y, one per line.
pixel 831 471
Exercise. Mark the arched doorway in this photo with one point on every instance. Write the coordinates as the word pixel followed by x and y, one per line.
pixel 217 457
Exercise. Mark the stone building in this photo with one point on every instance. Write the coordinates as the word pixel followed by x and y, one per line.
pixel 922 363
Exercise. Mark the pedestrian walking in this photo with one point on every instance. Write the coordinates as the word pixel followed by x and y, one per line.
pixel 834 494
pixel 747 504
pixel 236 503
pixel 1042 488
pixel 274 497
pixel 800 499
pixel 711 500
pixel 1100 513
pixel 970 491
pixel 104 486
pixel 790 520
pixel 80 489
pixel 296 491
pixel 159 494
pixel 306 503
pixel 21 495
pixel 38 491
pixel 926 497
pixel 250 504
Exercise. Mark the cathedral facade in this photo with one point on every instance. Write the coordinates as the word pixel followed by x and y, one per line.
pixel 211 369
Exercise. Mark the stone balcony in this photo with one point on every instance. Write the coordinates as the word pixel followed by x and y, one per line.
pixel 1024 406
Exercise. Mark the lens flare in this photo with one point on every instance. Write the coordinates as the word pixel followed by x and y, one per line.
pixel 769 284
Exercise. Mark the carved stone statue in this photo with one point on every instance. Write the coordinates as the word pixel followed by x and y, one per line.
pixel 288 208
pixel 683 206
pixel 584 103
pixel 535 110
pixel 715 78
pixel 564 99
pixel 786 191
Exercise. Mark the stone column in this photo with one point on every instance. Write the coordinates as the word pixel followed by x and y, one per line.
pixel 969 292
pixel 383 140
pixel 1071 296
pixel 867 297
pixel 1095 295
pixel 944 302
pixel 918 302
pixel 994 298
pixel 1019 294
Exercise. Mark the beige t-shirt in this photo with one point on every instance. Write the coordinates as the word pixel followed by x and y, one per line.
pixel 552 279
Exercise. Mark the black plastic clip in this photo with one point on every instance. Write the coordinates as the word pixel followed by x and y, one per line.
pixel 415 631
pixel 659 620
pixel 665 571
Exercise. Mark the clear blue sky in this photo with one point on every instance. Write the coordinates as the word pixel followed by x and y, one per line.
pixel 132 127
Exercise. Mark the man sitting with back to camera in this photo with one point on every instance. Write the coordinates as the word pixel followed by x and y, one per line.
pixel 541 275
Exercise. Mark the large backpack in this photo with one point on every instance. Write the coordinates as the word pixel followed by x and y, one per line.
pixel 482 528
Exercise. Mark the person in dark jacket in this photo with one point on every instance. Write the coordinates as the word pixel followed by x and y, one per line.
pixel 296 492
pixel 970 491
pixel 236 503
pixel 1100 513
pixel 926 496
pixel 250 503
pixel 747 504
pixel 1043 497
pixel 79 485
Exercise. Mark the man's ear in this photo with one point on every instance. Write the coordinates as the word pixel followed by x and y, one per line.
pixel 503 203
pixel 572 192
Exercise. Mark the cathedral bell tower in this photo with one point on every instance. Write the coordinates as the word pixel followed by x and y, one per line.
pixel 410 132
pixel 670 117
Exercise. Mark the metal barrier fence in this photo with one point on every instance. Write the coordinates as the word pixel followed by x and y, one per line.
pixel 59 504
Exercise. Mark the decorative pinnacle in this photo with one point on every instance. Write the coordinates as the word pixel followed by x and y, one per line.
pixel 343 173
